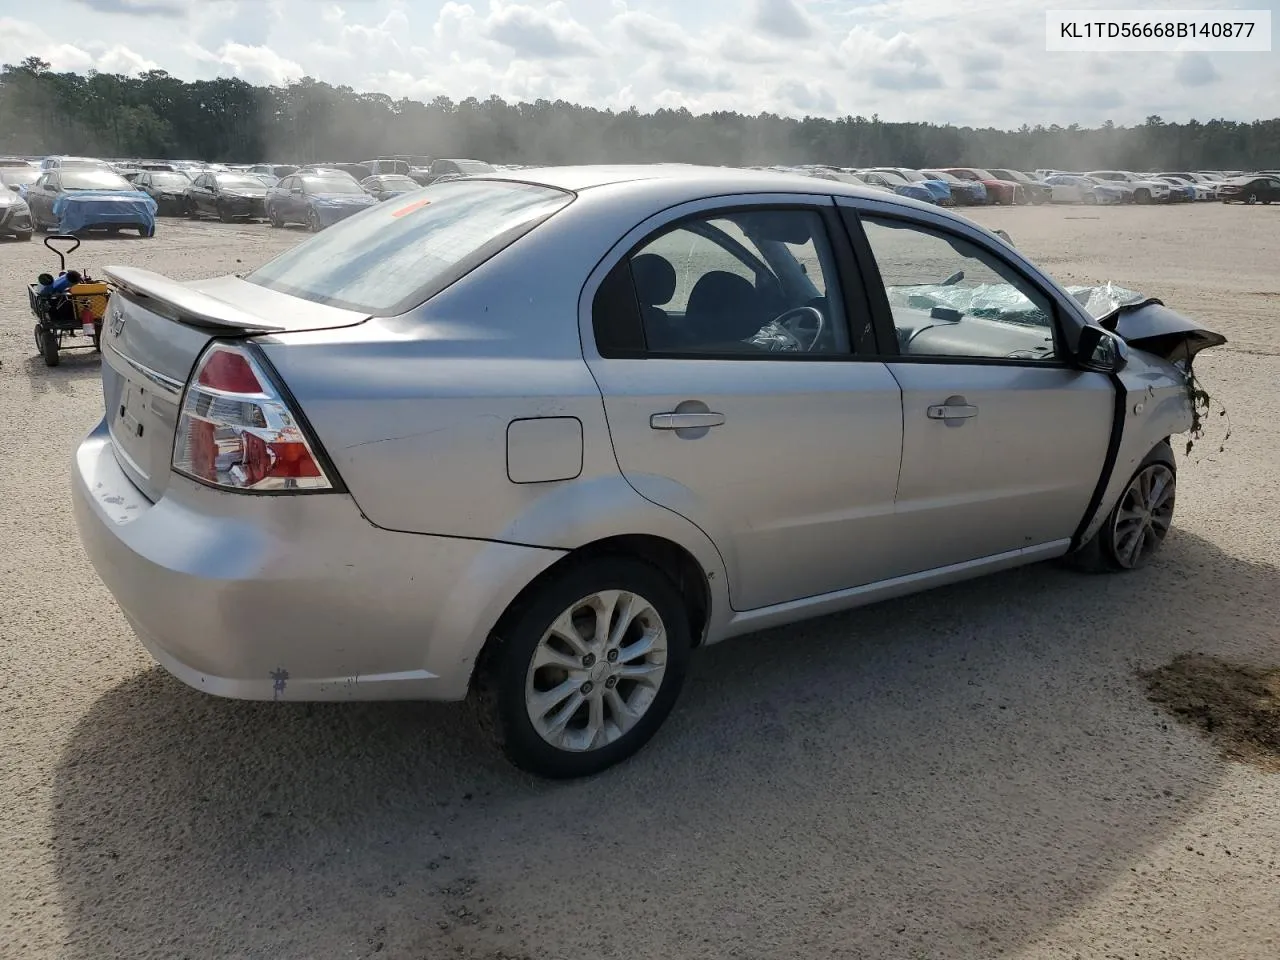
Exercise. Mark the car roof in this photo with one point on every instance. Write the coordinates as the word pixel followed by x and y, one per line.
pixel 700 181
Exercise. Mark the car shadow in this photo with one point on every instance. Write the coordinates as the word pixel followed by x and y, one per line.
pixel 73 366
pixel 947 775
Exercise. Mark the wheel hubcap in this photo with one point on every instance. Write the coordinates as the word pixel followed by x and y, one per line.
pixel 596 671
pixel 1144 515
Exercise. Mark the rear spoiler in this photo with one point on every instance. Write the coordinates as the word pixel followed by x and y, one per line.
pixel 178 302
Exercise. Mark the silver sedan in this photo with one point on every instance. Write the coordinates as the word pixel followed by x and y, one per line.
pixel 531 437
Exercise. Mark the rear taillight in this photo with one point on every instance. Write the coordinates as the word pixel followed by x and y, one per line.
pixel 235 430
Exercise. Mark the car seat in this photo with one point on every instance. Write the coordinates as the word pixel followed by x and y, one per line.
pixel 724 311
pixel 655 283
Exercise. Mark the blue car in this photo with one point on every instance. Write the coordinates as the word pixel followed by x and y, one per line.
pixel 963 192
pixel 318 200
pixel 939 190
pixel 898 184
pixel 73 200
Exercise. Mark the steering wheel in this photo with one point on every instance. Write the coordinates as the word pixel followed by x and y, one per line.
pixel 795 329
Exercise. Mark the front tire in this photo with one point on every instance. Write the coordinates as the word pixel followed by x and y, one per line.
pixel 25 236
pixel 1142 196
pixel 1140 520
pixel 313 221
pixel 581 675
pixel 47 344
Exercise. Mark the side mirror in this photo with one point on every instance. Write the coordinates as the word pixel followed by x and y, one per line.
pixel 1101 350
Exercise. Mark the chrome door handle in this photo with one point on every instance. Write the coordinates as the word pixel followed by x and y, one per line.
pixel 950 411
pixel 685 421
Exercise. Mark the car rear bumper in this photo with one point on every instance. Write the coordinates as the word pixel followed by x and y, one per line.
pixel 291 597
pixel 253 207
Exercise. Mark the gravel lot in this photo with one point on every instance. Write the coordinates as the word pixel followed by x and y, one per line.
pixel 970 773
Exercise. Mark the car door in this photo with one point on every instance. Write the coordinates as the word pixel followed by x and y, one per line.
pixel 783 448
pixel 1004 441
pixel 196 193
pixel 38 198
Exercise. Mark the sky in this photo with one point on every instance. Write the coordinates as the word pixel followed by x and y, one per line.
pixel 979 63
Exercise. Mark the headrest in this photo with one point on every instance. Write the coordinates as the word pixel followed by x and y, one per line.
pixel 655 279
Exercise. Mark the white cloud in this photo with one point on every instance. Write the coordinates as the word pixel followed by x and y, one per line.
pixel 784 18
pixel 540 32
pixel 902 59
pixel 123 60
pixel 652 33
pixel 257 64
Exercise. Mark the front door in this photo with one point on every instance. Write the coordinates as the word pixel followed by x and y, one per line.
pixel 1003 441
pixel 40 198
pixel 741 402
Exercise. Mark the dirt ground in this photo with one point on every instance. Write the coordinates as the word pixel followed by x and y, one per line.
pixel 973 773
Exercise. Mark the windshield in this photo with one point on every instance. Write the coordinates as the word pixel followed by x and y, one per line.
pixel 473 166
pixel 66 164
pixel 234 180
pixel 16 175
pixel 398 183
pixel 169 180
pixel 912 176
pixel 892 177
pixel 983 174
pixel 332 185
pixel 94 180
pixel 939 175
pixel 397 254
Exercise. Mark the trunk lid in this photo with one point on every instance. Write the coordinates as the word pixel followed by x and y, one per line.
pixel 154 330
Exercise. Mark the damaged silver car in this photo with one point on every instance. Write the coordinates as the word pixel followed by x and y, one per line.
pixel 531 437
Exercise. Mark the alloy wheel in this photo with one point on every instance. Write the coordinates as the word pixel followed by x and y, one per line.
pixel 596 671
pixel 1144 515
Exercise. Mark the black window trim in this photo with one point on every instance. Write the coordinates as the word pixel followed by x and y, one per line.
pixel 846 276
pixel 882 315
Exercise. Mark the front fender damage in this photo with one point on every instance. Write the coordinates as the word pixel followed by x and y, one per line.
pixel 1145 323
pixel 1156 392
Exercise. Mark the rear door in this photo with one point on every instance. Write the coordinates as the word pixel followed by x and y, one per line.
pixel 1004 442
pixel 779 440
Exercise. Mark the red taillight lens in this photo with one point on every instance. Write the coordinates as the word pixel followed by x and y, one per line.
pixel 229 372
pixel 235 430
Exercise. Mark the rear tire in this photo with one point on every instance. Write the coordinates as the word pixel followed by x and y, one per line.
pixel 146 232
pixel 1112 548
pixel 617 675
pixel 223 215
pixel 275 219
pixel 25 236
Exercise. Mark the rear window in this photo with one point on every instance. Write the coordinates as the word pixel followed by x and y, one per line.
pixel 400 253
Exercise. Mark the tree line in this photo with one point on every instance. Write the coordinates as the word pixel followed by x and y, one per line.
pixel 157 115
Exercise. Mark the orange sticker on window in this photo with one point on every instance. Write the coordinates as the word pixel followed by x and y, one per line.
pixel 416 205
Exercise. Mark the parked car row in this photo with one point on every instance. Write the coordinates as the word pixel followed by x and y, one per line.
pixel 85 193
pixel 959 186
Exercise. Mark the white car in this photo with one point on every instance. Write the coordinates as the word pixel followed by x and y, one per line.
pixel 1069 188
pixel 1144 190
pixel 1206 187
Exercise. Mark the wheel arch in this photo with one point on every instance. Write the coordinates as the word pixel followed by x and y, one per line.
pixel 678 563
